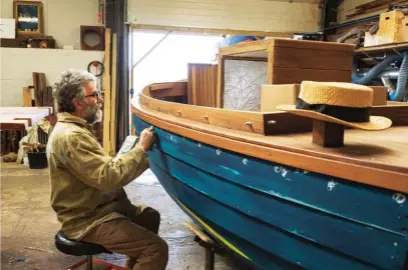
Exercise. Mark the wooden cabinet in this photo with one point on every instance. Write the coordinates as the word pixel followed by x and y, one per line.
pixel 288 61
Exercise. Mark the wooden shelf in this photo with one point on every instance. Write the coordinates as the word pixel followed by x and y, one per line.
pixel 383 48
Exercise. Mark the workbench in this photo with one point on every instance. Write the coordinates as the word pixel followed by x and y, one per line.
pixel 14 122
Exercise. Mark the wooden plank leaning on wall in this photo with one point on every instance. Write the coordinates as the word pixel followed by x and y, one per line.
pixel 112 151
pixel 107 96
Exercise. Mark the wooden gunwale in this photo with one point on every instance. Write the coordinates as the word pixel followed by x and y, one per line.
pixel 255 145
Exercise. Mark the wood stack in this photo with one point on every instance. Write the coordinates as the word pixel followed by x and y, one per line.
pixel 42 93
pixel 373 6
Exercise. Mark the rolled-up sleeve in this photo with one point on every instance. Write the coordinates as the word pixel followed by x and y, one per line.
pixel 82 156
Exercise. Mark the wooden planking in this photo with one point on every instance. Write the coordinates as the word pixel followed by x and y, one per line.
pixel 161 86
pixel 258 15
pixel 264 178
pixel 170 92
pixel 202 84
pixel 284 75
pixel 172 89
pixel 107 93
pixel 352 162
pixel 244 229
pixel 310 45
pixel 358 240
pixel 304 58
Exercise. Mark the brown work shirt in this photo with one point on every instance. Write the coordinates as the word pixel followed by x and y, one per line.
pixel 87 184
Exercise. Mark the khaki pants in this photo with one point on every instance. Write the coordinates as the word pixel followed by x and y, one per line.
pixel 135 237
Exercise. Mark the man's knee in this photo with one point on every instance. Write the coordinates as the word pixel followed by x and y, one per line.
pixel 149 219
pixel 158 249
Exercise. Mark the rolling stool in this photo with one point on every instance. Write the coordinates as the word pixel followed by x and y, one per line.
pixel 78 248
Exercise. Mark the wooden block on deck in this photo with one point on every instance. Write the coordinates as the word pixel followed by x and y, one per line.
pixel 328 134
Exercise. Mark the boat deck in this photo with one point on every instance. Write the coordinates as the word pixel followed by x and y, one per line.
pixel 378 158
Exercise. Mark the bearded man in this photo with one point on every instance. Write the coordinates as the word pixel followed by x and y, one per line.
pixel 87 185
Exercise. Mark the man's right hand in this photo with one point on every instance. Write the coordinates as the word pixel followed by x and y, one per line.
pixel 147 138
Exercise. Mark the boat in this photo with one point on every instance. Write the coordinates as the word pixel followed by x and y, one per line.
pixel 256 183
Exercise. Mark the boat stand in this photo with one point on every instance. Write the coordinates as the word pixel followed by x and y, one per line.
pixel 204 240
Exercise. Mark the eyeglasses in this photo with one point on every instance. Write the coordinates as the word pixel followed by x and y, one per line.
pixel 95 94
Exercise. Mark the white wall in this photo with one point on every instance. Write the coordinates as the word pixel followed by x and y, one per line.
pixel 17 65
pixel 256 15
pixel 62 18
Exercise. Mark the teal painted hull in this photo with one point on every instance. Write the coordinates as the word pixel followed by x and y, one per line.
pixel 280 217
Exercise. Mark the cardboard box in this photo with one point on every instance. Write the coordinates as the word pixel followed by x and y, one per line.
pixel 273 95
pixel 393 28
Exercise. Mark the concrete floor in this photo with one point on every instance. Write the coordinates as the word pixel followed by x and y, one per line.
pixel 28 224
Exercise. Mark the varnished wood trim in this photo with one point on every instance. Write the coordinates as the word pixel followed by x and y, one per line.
pixel 265 123
pixel 245 58
pixel 345 169
pixel 220 83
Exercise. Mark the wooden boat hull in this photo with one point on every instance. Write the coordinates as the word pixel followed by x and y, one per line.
pixel 281 217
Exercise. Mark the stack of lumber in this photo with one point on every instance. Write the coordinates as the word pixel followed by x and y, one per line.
pixel 373 6
pixel 42 93
pixel 14 122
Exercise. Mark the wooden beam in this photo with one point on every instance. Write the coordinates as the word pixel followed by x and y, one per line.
pixel 220 83
pixel 112 139
pixel 213 30
pixel 107 96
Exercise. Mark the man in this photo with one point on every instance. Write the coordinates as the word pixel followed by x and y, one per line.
pixel 87 185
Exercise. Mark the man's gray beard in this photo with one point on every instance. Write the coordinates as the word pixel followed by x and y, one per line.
pixel 95 117
pixel 99 115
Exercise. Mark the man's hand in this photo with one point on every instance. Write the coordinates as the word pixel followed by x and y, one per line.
pixel 147 138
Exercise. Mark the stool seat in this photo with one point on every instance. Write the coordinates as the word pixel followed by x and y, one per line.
pixel 77 248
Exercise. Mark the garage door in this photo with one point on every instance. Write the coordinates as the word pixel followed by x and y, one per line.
pixel 257 15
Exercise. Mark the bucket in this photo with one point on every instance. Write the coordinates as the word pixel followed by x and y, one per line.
pixel 37 160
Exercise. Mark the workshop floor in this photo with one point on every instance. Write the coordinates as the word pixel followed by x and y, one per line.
pixel 28 224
